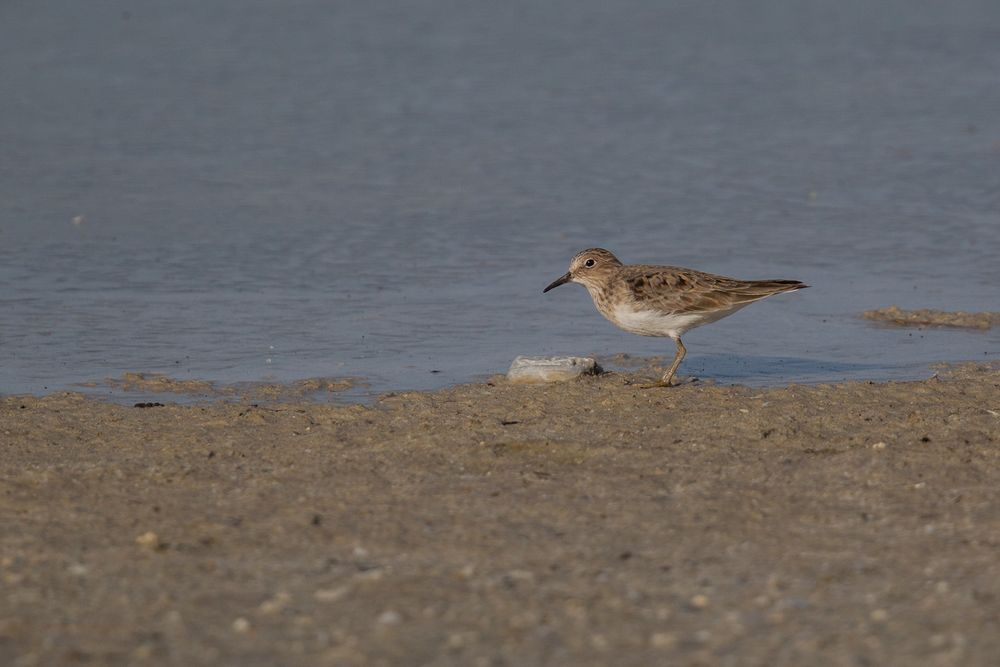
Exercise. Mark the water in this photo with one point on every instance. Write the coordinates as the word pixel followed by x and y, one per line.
pixel 280 190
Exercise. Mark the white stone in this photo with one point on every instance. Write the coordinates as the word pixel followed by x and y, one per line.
pixel 275 604
pixel 149 540
pixel 551 369
pixel 331 594
pixel 390 617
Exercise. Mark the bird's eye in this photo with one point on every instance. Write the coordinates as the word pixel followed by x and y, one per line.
pixel 589 263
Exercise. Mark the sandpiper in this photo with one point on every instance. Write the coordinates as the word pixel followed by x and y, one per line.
pixel 666 301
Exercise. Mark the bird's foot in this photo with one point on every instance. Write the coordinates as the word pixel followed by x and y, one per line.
pixel 672 382
pixel 658 385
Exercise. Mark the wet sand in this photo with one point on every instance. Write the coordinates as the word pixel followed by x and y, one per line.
pixel 586 523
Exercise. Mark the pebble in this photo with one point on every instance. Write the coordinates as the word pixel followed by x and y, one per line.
pixel 879 445
pixel 369 576
pixel 77 570
pixel 551 369
pixel 143 652
pixel 390 617
pixel 879 615
pixel 699 601
pixel 241 625
pixel 275 604
pixel 331 594
pixel 148 540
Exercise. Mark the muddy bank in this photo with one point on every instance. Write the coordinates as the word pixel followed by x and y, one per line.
pixel 588 523
pixel 158 384
pixel 925 317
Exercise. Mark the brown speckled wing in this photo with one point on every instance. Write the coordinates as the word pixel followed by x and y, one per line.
pixel 674 289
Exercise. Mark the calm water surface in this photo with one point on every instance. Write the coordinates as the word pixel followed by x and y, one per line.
pixel 268 191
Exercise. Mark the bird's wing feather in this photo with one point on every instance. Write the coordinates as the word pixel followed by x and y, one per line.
pixel 674 289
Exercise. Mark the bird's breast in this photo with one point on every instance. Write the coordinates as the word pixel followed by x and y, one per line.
pixel 651 322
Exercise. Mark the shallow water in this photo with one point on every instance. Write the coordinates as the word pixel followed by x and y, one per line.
pixel 269 191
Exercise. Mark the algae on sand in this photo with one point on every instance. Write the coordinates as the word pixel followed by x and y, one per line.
pixel 926 317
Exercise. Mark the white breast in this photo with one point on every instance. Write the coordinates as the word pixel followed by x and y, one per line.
pixel 657 323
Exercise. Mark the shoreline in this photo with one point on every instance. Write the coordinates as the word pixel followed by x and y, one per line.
pixel 581 522
pixel 705 371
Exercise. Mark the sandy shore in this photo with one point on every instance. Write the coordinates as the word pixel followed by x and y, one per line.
pixel 589 523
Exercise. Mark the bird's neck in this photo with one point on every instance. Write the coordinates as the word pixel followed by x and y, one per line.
pixel 600 292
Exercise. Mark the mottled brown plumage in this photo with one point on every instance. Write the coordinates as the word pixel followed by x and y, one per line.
pixel 667 301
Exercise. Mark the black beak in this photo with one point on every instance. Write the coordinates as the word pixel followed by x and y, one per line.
pixel 559 281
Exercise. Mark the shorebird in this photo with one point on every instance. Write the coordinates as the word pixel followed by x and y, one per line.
pixel 667 301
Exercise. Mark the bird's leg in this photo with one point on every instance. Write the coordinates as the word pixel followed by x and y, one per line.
pixel 678 358
pixel 668 377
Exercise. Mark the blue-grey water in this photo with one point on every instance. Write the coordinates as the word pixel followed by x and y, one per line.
pixel 255 190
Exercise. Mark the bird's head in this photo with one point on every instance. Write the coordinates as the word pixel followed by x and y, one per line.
pixel 590 268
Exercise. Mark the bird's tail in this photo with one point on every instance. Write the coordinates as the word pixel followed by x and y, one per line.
pixel 779 286
pixel 751 290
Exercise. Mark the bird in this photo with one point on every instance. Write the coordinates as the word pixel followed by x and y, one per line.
pixel 667 301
